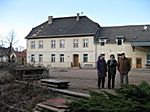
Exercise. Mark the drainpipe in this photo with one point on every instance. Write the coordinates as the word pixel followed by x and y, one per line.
pixel 95 53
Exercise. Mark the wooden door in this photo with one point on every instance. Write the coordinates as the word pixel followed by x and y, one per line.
pixel 75 60
pixel 138 62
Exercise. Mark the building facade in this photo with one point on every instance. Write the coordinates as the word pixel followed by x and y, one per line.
pixel 19 57
pixel 78 41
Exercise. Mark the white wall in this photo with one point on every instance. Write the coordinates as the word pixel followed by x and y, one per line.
pixel 113 48
pixel 68 51
pixel 93 51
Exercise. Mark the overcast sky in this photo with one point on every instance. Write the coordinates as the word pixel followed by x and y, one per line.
pixel 23 15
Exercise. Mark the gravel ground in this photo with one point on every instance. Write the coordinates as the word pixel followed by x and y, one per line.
pixel 83 80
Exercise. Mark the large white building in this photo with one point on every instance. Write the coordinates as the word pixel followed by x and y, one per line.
pixel 77 42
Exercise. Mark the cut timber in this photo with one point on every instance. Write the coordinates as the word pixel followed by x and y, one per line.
pixel 56 104
pixel 69 93
pixel 46 107
pixel 64 92
pixel 55 83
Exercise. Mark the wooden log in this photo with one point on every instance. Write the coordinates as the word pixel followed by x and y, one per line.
pixel 70 93
pixel 50 108
pixel 61 84
pixel 65 92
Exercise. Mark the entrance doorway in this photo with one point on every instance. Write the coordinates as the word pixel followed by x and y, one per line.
pixel 138 62
pixel 75 60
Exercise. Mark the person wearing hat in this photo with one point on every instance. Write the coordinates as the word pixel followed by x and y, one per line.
pixel 123 68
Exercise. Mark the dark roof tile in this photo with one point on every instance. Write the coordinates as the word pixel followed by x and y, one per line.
pixel 64 27
pixel 130 33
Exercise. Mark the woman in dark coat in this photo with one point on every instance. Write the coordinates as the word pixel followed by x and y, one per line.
pixel 101 70
pixel 112 64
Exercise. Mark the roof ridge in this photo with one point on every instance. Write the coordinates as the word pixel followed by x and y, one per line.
pixel 67 17
pixel 58 18
pixel 125 26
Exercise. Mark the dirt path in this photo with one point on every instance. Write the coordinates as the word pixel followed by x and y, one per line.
pixel 83 80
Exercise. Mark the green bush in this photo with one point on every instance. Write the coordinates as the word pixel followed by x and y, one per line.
pixel 129 98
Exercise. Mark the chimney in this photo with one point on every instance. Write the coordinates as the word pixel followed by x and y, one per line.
pixel 50 19
pixel 78 17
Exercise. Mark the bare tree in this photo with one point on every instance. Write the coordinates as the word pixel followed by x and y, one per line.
pixel 1 41
pixel 10 40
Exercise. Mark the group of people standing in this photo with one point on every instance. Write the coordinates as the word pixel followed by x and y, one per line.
pixel 110 66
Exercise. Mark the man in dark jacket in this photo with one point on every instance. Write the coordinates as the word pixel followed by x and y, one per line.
pixel 112 64
pixel 123 68
pixel 101 70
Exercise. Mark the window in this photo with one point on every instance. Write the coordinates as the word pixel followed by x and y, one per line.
pixel 33 58
pixel 62 43
pixel 148 58
pixel 85 57
pixel 19 60
pixel 52 57
pixel 32 44
pixel 41 44
pixel 75 43
pixel 40 57
pixel 53 43
pixel 61 57
pixel 119 41
pixel 85 42
pixel 102 41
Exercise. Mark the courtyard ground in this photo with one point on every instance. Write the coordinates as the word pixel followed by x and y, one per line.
pixel 22 97
pixel 84 80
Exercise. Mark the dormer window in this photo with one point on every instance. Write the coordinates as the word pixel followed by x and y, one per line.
pixel 119 40
pixel 102 41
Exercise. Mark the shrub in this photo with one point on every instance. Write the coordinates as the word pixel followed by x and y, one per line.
pixel 129 98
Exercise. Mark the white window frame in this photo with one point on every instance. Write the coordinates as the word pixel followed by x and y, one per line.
pixel 62 57
pixel 85 58
pixel 32 58
pixel 119 39
pixel 53 57
pixel 32 44
pixel 53 43
pixel 40 57
pixel 62 43
pixel 85 43
pixel 75 43
pixel 148 60
pixel 103 42
pixel 40 44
